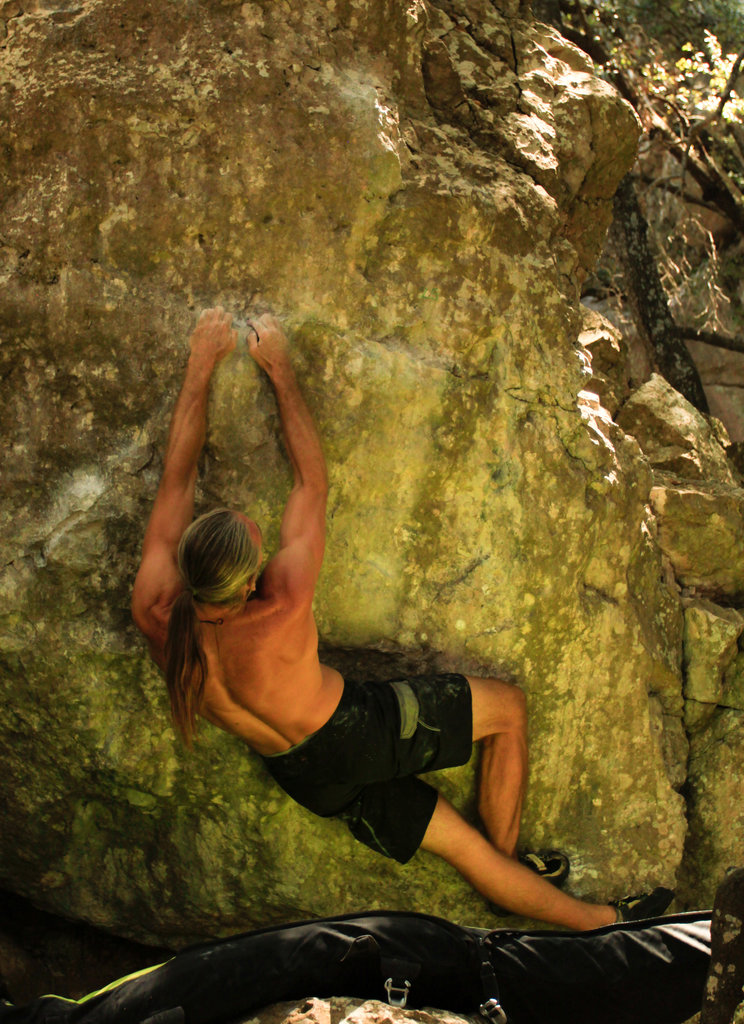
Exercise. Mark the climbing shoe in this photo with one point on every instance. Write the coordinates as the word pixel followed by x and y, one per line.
pixel 552 865
pixel 648 904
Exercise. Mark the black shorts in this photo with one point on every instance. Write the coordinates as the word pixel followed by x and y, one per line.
pixel 361 766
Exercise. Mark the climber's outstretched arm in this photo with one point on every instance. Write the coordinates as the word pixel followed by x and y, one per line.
pixel 158 582
pixel 295 567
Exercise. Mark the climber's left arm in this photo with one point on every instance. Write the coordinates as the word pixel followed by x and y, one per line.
pixel 158 581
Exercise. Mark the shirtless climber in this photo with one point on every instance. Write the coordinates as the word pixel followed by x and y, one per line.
pixel 240 648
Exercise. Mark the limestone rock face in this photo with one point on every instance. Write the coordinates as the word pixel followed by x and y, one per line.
pixel 698 506
pixel 696 496
pixel 675 438
pixel 711 646
pixel 701 531
pixel 720 372
pixel 606 358
pixel 416 189
pixel 714 716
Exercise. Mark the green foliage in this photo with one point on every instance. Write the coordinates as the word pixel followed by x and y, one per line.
pixel 676 21
pixel 678 51
pixel 701 79
pixel 674 60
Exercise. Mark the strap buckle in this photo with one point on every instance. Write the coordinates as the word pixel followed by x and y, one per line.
pixel 493 1010
pixel 397 995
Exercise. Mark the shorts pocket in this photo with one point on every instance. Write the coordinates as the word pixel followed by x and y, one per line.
pixel 408 706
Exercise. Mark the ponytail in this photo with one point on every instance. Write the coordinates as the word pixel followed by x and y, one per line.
pixel 216 558
pixel 186 666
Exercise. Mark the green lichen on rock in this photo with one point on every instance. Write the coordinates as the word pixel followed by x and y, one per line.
pixel 714 805
pixel 711 645
pixel 696 495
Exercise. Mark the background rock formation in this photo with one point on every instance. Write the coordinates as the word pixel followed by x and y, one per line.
pixel 354 1011
pixel 416 189
pixel 723 1001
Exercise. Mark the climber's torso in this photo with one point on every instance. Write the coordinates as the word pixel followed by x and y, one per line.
pixel 264 681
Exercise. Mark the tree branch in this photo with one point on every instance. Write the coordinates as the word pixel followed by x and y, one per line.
pixel 696 131
pixel 709 338
pixel 670 183
pixel 647 299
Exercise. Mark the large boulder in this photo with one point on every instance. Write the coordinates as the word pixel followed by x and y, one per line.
pixel 417 189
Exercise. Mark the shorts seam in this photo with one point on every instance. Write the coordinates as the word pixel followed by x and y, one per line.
pixel 372 832
pixel 431 728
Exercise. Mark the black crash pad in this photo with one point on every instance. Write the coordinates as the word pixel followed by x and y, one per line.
pixel 648 972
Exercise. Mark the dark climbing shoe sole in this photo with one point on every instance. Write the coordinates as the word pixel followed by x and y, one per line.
pixel 552 865
pixel 647 904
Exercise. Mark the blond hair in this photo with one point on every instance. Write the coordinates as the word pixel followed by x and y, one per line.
pixel 216 558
